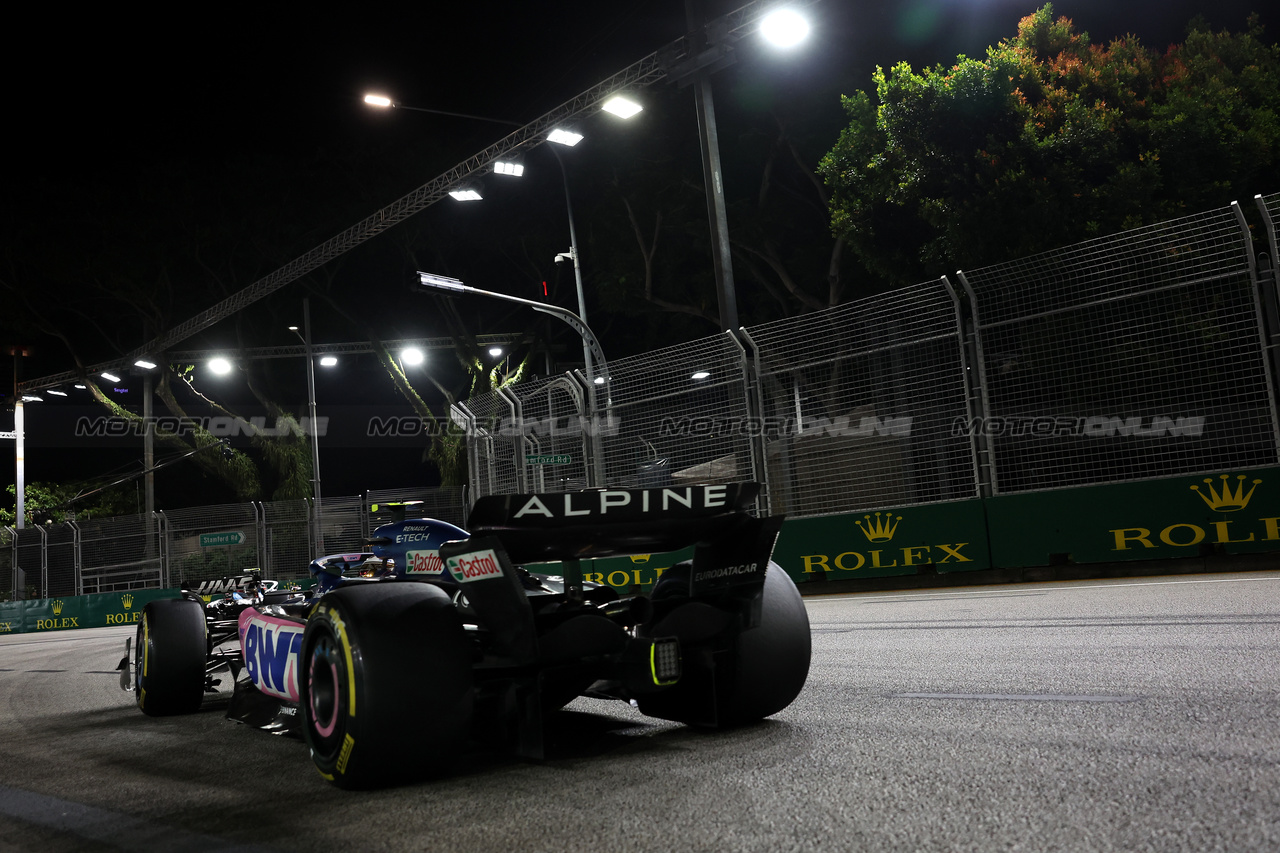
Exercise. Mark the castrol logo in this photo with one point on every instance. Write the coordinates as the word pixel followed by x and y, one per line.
pixel 476 566
pixel 423 562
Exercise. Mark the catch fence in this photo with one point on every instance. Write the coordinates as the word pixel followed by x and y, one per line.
pixel 1135 356
pixel 187 546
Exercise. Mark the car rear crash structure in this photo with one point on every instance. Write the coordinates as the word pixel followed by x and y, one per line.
pixel 481 648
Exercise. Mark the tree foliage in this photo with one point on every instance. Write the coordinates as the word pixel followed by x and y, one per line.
pixel 60 502
pixel 1049 140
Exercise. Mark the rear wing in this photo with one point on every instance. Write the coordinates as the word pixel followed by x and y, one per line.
pixel 551 527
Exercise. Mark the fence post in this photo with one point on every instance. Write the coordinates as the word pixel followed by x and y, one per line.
pixel 76 561
pixel 977 401
pixel 592 443
pixel 518 442
pixel 13 562
pixel 754 406
pixel 44 560
pixel 162 545
pixel 462 413
pixel 260 533
pixel 1267 303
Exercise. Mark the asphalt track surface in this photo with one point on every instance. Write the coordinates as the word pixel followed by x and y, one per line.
pixel 1090 715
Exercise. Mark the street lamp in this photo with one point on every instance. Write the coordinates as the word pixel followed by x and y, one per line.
pixel 619 105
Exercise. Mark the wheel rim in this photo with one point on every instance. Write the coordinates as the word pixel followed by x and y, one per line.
pixel 324 694
pixel 141 641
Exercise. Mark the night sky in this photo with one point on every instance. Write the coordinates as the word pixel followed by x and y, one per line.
pixel 109 101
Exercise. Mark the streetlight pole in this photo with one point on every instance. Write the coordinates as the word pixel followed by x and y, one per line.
pixel 713 177
pixel 19 444
pixel 149 464
pixel 314 422
pixel 577 275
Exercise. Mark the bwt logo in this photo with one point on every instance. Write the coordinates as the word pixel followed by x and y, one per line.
pixel 1092 427
pixel 271 657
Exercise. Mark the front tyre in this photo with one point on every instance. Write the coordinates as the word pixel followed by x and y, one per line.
pixel 386 686
pixel 169 658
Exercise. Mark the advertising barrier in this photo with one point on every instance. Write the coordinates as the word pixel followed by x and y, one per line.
pixel 77 611
pixel 1168 518
pixel 1232 513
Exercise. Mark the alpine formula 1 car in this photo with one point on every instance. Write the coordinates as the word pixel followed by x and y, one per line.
pixel 444 625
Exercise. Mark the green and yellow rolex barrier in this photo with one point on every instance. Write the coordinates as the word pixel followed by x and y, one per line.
pixel 1174 517
pixel 1197 515
pixel 1169 518
pixel 69 612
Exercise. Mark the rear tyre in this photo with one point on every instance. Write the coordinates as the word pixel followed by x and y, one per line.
pixel 386 685
pixel 736 677
pixel 169 658
pixel 771 661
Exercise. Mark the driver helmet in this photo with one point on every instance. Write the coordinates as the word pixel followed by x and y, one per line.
pixel 253 589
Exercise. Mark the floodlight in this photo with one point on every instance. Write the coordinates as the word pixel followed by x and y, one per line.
pixel 564 136
pixel 784 27
pixel 466 192
pixel 511 166
pixel 621 106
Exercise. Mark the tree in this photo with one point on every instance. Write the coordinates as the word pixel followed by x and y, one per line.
pixel 1050 140
pixel 60 502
